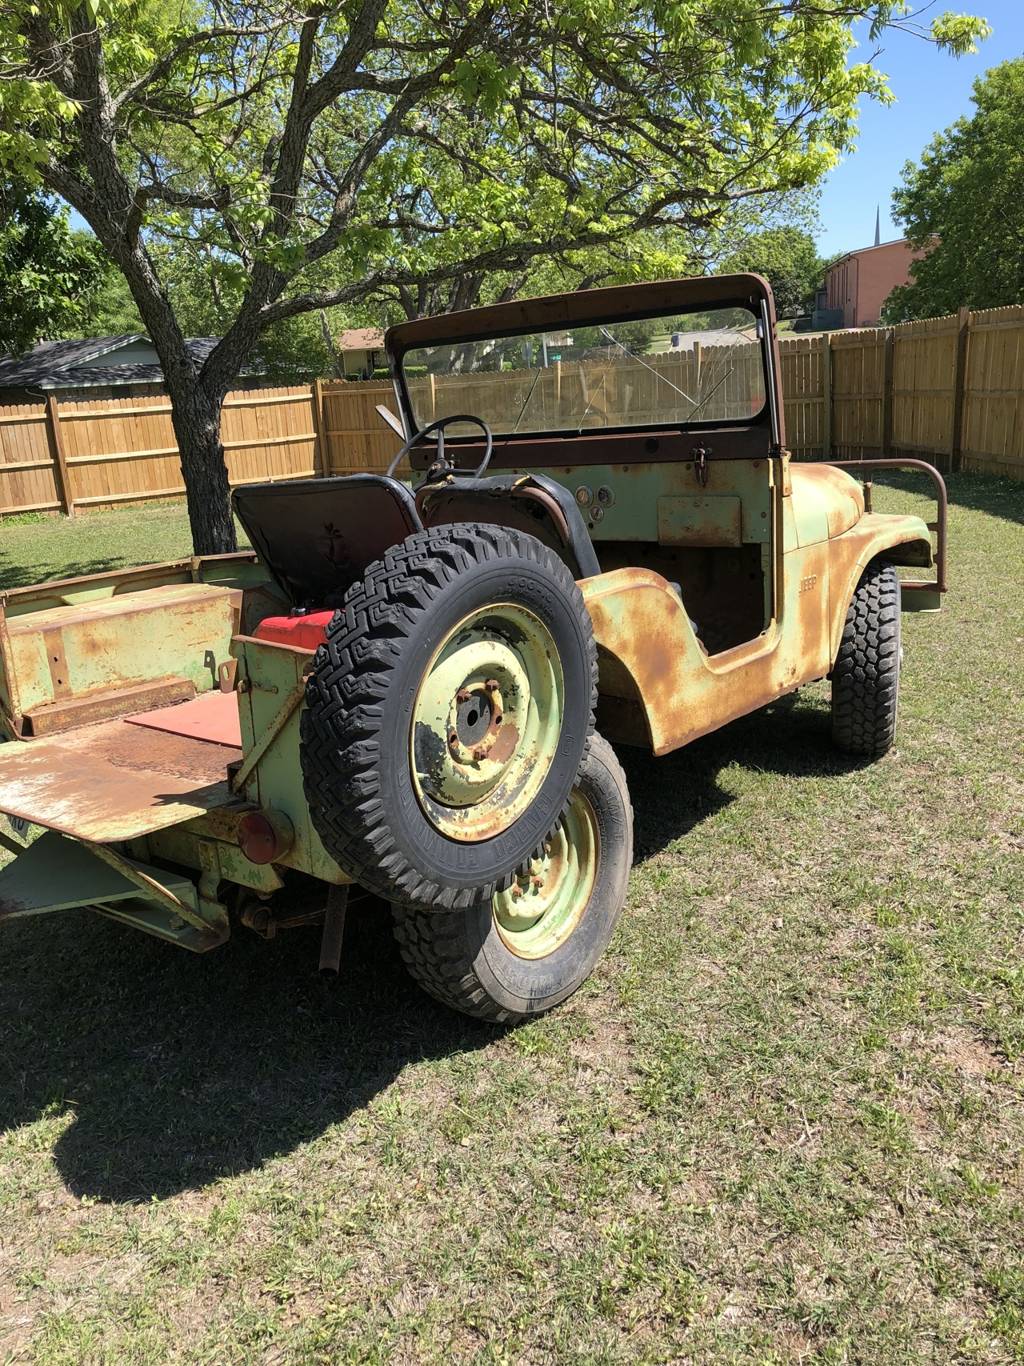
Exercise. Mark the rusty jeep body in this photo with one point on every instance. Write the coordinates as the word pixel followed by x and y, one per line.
pixel 398 687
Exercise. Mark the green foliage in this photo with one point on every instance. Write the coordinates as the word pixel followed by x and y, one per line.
pixel 788 259
pixel 453 142
pixel 966 192
pixel 47 271
pixel 110 309
pixel 356 150
pixel 205 306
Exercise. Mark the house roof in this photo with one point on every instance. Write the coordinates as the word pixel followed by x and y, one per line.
pixel 361 339
pixel 71 364
pixel 860 251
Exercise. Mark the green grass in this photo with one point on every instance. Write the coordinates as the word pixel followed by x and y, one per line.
pixel 783 1122
pixel 35 547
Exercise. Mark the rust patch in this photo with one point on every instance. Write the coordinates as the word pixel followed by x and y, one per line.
pixel 105 704
pixel 56 660
pixel 505 744
pixel 684 693
pixel 160 752
pixel 113 781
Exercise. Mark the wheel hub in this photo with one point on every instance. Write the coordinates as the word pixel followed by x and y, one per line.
pixel 541 909
pixel 479 715
pixel 486 722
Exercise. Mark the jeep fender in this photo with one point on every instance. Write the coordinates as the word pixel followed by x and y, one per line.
pixel 901 539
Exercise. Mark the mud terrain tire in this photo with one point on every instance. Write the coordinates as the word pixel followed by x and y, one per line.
pixel 464 961
pixel 866 675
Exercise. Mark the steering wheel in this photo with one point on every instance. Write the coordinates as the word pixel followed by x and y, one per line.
pixel 439 427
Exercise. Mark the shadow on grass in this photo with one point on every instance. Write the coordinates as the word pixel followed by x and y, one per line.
pixel 14 575
pixel 980 492
pixel 180 1070
pixel 674 794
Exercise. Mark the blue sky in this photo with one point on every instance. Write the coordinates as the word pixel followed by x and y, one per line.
pixel 932 90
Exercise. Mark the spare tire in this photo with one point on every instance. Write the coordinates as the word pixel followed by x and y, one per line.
pixel 448 714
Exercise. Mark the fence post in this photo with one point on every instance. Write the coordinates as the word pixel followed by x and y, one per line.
pixel 826 396
pixel 887 390
pixel 58 456
pixel 317 395
pixel 956 442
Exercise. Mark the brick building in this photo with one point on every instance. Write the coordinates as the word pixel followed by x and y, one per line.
pixel 858 284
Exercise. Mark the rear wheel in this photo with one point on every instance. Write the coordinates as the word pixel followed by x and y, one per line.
pixel 866 675
pixel 448 713
pixel 522 951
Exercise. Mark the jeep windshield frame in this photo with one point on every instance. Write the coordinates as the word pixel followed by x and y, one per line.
pixel 601 309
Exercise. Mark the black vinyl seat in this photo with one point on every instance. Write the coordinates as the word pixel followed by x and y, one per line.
pixel 317 536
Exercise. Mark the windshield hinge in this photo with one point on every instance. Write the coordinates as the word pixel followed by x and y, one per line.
pixel 700 463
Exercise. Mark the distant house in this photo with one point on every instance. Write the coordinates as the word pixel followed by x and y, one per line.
pixel 858 284
pixel 99 367
pixel 362 351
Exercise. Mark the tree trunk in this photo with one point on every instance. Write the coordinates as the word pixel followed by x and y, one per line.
pixel 196 419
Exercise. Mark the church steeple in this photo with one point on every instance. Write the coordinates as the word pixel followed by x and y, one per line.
pixel 878 225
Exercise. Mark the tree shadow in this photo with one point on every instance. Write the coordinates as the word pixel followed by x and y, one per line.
pixel 999 497
pixel 181 1070
pixel 14 575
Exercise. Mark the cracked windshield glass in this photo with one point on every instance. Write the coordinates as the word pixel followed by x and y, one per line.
pixel 689 368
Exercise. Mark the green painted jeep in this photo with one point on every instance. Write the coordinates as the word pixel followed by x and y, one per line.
pixel 412 686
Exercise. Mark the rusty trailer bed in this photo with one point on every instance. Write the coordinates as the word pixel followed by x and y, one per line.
pixel 114 781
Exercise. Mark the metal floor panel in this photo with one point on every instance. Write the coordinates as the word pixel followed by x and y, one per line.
pixel 113 781
pixel 212 716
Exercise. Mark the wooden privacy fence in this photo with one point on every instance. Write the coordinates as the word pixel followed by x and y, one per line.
pixel 63 455
pixel 951 389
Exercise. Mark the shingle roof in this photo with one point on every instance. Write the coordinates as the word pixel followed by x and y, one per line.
pixel 62 364
pixel 361 339
pixel 46 358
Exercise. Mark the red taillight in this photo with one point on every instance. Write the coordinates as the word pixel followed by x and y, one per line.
pixel 265 836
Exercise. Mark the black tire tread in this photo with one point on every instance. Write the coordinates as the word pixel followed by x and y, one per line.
pixel 342 746
pixel 866 674
pixel 432 951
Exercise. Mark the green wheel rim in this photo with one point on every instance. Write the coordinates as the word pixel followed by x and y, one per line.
pixel 542 908
pixel 486 722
